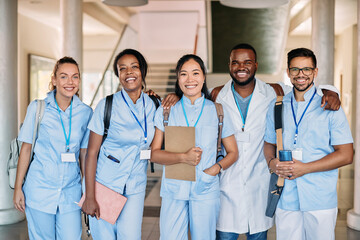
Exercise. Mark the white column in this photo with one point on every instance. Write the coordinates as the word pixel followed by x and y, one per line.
pixel 8 105
pixel 353 215
pixel 322 13
pixel 72 35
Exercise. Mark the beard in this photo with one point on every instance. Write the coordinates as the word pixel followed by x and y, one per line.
pixel 249 80
pixel 306 88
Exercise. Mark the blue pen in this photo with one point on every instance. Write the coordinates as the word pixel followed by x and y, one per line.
pixel 113 159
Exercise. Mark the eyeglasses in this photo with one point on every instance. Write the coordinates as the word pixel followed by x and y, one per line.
pixel 296 71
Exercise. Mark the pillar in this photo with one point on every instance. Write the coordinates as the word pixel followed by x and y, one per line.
pixel 323 36
pixel 71 30
pixel 8 105
pixel 353 215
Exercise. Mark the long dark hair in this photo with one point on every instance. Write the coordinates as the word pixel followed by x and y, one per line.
pixel 142 63
pixel 179 65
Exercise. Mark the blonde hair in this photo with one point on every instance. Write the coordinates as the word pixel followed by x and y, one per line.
pixel 56 68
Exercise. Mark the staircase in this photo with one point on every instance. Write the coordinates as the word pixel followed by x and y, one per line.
pixel 161 79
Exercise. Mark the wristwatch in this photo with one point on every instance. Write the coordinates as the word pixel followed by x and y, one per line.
pixel 221 168
pixel 270 170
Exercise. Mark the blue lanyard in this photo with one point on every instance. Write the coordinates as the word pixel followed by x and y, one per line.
pixel 137 120
pixel 67 139
pixel 294 117
pixel 238 106
pixel 202 108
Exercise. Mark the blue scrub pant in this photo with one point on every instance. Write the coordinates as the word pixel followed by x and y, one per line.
pixel 177 215
pixel 127 226
pixel 234 236
pixel 59 226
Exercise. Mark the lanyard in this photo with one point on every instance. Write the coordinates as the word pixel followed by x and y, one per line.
pixel 137 120
pixel 238 106
pixel 67 139
pixel 187 122
pixel 294 117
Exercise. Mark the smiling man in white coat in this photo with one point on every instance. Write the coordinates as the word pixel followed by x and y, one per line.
pixel 244 186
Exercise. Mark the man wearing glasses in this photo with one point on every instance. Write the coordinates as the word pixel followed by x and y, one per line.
pixel 244 186
pixel 321 142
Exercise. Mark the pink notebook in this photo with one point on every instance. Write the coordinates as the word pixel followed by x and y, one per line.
pixel 110 202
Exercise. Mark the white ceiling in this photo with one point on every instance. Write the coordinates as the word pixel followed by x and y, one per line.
pixel 47 12
pixel 345 16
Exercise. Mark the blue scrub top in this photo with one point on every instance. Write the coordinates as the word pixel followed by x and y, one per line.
pixel 124 141
pixel 206 134
pixel 319 131
pixel 51 183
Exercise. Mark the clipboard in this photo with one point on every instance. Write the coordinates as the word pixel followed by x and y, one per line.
pixel 179 140
pixel 110 202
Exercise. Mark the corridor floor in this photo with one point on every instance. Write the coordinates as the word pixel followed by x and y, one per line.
pixel 150 226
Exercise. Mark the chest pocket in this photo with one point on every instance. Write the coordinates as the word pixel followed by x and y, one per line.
pixel 206 137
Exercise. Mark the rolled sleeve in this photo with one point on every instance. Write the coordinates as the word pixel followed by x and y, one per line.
pixel 27 129
pixel 340 132
pixel 159 119
pixel 96 123
pixel 270 134
pixel 85 140
pixel 228 127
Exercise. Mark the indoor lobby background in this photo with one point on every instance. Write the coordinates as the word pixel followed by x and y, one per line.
pixel 35 33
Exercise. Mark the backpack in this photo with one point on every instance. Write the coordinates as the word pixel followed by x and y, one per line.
pixel 15 146
pixel 107 117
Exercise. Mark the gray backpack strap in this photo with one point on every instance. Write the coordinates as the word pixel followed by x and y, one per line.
pixel 166 113
pixel 40 108
pixel 220 114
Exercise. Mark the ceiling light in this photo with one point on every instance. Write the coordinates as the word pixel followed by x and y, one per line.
pixel 253 3
pixel 125 3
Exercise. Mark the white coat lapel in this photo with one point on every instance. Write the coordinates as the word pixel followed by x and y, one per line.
pixel 226 98
pixel 256 100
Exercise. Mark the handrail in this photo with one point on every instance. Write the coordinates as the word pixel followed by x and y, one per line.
pixel 196 38
pixel 108 64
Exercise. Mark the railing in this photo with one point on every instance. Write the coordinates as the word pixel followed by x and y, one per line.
pixel 102 81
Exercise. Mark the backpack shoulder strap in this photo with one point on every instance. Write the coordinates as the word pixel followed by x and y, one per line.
pixel 40 109
pixel 277 88
pixel 157 105
pixel 220 114
pixel 155 100
pixel 278 128
pixel 107 115
pixel 215 92
pixel 166 113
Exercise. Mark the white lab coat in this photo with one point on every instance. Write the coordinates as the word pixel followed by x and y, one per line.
pixel 244 186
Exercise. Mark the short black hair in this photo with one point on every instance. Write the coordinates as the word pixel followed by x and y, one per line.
pixel 179 65
pixel 142 62
pixel 245 46
pixel 301 52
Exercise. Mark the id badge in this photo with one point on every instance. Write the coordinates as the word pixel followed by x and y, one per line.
pixel 242 136
pixel 145 154
pixel 297 154
pixel 68 157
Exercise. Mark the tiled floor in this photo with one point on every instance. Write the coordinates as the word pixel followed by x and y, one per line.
pixel 150 226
